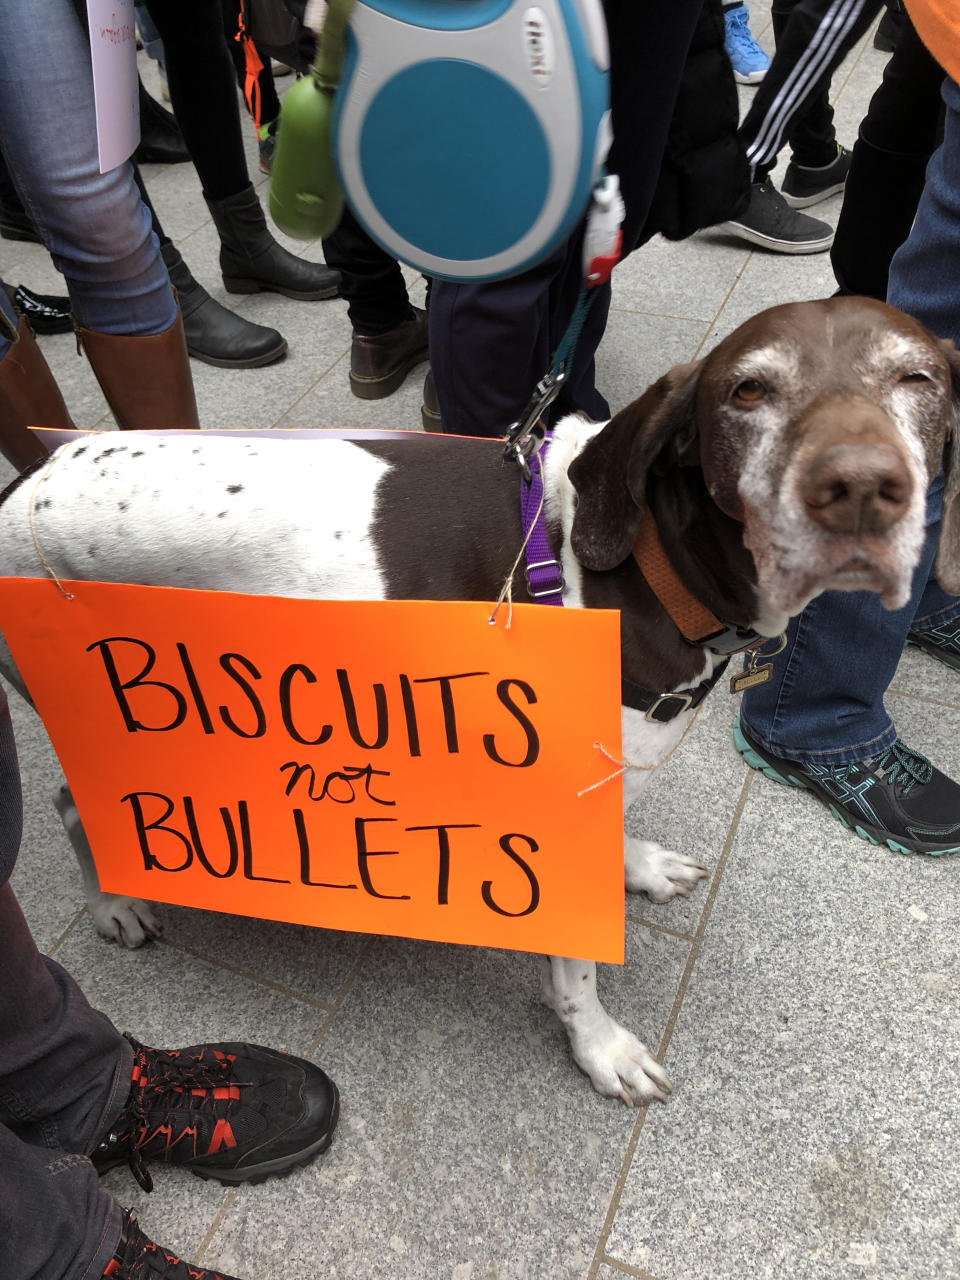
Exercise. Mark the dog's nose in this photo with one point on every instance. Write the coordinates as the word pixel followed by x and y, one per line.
pixel 857 488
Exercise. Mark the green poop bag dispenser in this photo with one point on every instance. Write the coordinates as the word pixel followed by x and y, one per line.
pixel 306 199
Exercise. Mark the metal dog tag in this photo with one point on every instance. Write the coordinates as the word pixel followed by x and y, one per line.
pixel 757 673
pixel 753 675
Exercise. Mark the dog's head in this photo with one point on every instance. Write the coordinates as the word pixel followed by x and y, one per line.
pixel 819 426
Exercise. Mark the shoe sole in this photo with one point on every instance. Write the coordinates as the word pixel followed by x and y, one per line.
pixel 379 388
pixel 932 651
pixel 253 362
pixel 777 246
pixel 804 202
pixel 279 1168
pixel 242 284
pixel 752 77
pixel 430 419
pixel 866 830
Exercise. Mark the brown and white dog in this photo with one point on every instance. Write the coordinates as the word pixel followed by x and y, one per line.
pixel 793 459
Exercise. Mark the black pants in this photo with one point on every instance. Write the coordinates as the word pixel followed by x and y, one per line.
pixel 791 103
pixel 898 135
pixel 203 91
pixel 490 343
pixel 64 1078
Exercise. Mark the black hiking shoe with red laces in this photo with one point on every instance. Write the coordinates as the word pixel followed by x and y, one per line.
pixel 233 1112
pixel 138 1258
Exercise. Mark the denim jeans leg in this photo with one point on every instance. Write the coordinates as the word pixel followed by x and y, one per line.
pixel 925 271
pixel 56 1223
pixel 824 702
pixel 96 227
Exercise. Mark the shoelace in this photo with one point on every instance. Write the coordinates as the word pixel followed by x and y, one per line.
pixel 167 1081
pixel 138 1258
pixel 738 32
pixel 903 767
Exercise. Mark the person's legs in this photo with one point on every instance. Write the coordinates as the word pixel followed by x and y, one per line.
pixel 824 706
pixel 490 343
pixel 204 94
pixel 813 37
pixel 925 271
pixel 887 167
pixel 94 224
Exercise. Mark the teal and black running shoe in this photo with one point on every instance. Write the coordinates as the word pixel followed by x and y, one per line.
pixel 942 643
pixel 896 798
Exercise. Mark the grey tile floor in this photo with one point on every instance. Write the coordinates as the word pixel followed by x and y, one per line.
pixel 804 1000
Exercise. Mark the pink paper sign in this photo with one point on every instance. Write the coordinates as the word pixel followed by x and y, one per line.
pixel 113 49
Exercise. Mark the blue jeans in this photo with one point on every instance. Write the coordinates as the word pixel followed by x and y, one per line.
pixel 64 1078
pixel 95 225
pixel 825 701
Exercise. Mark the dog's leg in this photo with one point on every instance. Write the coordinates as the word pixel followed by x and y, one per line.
pixel 119 918
pixel 648 868
pixel 617 1063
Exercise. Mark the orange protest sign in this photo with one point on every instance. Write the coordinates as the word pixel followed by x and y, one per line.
pixel 384 767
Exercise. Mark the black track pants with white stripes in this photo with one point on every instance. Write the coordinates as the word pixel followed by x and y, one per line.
pixel 791 103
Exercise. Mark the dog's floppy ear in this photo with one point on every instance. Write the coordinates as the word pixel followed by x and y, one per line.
pixel 610 474
pixel 948 553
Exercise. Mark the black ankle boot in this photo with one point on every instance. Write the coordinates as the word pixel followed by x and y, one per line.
pixel 161 141
pixel 251 260
pixel 214 334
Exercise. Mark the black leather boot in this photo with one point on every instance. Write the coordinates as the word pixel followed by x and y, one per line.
pixel 161 141
pixel 214 334
pixel 379 364
pixel 251 260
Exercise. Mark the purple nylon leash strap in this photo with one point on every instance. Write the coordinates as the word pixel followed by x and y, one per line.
pixel 544 575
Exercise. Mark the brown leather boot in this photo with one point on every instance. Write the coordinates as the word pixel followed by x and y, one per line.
pixel 147 380
pixel 380 363
pixel 29 396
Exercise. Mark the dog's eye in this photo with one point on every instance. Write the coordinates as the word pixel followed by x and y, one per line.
pixel 749 391
pixel 915 376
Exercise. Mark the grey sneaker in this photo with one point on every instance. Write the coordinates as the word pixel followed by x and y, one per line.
pixel 942 643
pixel 803 185
pixel 770 222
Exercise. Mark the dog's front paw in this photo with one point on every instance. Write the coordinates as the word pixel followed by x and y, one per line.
pixel 659 873
pixel 129 921
pixel 619 1066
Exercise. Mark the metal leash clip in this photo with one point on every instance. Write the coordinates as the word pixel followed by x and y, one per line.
pixel 758 672
pixel 527 434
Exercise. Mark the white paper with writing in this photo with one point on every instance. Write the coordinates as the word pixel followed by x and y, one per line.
pixel 113 47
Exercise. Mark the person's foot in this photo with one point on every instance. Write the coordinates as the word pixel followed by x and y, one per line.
pixel 896 797
pixel 267 143
pixel 750 64
pixel 379 364
pixel 233 1112
pixel 138 1258
pixel 46 312
pixel 770 222
pixel 430 409
pixel 942 643
pixel 804 185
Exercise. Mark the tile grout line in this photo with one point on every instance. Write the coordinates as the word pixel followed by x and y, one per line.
pixel 660 928
pixel 720 310
pixel 632 1144
pixel 249 975
pixel 313 385
pixel 58 943
pixel 215 1222
pixel 345 988
pixel 626 1269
